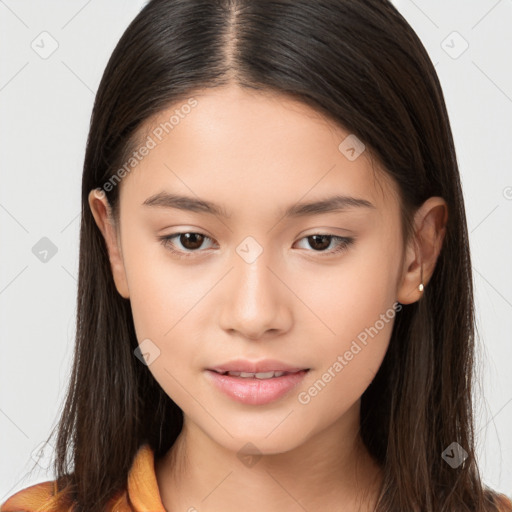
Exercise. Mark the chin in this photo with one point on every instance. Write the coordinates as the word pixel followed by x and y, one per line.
pixel 266 440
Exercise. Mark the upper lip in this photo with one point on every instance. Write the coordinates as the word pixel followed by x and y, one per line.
pixel 265 365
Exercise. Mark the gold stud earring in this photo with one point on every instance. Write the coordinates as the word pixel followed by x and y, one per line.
pixel 421 287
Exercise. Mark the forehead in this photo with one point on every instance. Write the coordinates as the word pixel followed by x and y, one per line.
pixel 252 151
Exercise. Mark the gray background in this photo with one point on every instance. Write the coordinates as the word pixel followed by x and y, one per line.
pixel 45 104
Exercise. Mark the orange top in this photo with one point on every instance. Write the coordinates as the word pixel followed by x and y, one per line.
pixel 142 494
pixel 504 503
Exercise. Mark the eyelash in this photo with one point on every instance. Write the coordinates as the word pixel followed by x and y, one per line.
pixel 344 243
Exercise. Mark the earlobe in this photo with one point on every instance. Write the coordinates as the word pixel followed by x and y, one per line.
pixel 101 211
pixel 423 250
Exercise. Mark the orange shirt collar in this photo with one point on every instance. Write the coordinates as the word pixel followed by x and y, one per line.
pixel 142 486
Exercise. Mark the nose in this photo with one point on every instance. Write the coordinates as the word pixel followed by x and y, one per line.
pixel 257 301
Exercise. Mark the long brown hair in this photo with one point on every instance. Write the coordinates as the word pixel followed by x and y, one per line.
pixel 357 62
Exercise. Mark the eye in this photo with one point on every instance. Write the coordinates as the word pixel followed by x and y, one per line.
pixel 192 241
pixel 320 241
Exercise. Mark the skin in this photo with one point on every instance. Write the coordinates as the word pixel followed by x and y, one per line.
pixel 256 153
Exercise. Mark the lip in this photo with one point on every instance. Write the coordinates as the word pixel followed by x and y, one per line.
pixel 253 391
pixel 265 365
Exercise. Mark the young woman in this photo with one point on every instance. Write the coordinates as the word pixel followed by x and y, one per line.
pixel 275 303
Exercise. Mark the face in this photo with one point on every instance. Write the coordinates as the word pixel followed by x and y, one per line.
pixel 312 289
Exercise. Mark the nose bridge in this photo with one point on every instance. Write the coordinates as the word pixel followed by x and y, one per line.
pixel 254 283
pixel 255 300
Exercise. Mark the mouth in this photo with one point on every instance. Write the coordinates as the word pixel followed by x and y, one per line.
pixel 259 375
pixel 256 388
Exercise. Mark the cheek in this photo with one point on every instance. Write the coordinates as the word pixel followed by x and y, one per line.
pixel 162 301
pixel 167 301
pixel 357 309
pixel 162 292
pixel 347 361
pixel 350 296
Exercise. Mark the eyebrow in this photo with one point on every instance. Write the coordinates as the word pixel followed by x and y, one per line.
pixel 330 204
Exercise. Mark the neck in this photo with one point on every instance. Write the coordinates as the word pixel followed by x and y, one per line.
pixel 198 472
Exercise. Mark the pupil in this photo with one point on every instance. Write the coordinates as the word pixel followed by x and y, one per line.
pixel 324 237
pixel 188 237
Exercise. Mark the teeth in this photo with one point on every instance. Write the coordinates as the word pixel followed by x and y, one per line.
pixel 261 375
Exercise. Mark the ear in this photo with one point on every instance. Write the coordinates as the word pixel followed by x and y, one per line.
pixel 424 248
pixel 102 213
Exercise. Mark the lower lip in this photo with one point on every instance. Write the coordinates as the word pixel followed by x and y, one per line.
pixel 255 391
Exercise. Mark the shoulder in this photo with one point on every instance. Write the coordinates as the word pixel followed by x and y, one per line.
pixel 31 498
pixel 44 496
pixel 504 503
